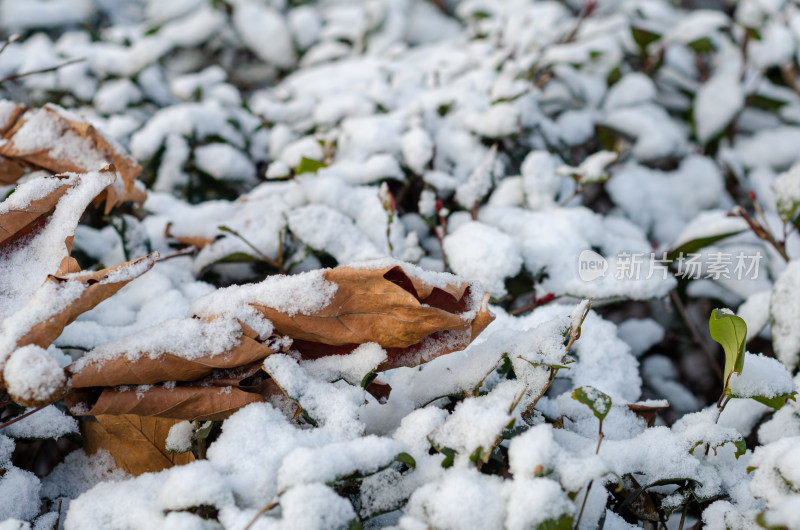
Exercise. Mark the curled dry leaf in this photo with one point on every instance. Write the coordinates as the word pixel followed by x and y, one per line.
pixel 149 369
pixel 96 287
pixel 413 320
pixel 194 241
pixel 17 220
pixel 54 139
pixel 137 443
pixel 68 296
pixel 214 397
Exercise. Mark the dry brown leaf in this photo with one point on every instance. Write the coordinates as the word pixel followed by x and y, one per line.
pixel 194 241
pixel 648 413
pixel 414 321
pixel 115 194
pixel 99 285
pixel 138 444
pixel 10 171
pixel 17 222
pixel 147 370
pixel 180 402
pixel 49 155
pixel 12 118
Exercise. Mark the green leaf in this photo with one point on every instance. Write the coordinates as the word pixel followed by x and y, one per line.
pixel 643 37
pixel 739 443
pixel 368 379
pixel 551 366
pixel 775 402
pixel 702 45
pixel 309 166
pixel 407 459
pixel 730 331
pixel 741 448
pixel 597 401
pixel 664 482
pixel 450 457
pixel 204 430
pixel 562 523
pixel 763 102
pixel 694 245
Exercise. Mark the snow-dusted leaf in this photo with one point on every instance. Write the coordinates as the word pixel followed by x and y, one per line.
pixel 717 102
pixel 597 401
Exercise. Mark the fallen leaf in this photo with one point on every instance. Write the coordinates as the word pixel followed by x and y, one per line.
pixel 138 444
pixel 212 398
pixel 17 221
pixel 648 413
pixel 97 286
pixel 12 116
pixel 10 171
pixel 195 241
pixel 58 141
pixel 414 321
pixel 70 145
pixel 147 369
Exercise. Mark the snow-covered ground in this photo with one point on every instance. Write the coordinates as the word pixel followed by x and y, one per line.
pixel 632 152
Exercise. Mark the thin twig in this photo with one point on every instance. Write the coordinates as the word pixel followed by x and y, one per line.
pixel 21 417
pixel 600 437
pixel 536 302
pixel 262 511
pixel 574 334
pixel 14 77
pixel 761 231
pixel 12 38
pixel 185 252
pixel 683 515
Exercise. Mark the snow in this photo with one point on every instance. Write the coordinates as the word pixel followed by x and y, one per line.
pixel 761 377
pixel 485 121
pixel 49 422
pixel 224 162
pixel 482 252
pixel 784 312
pixel 786 187
pixel 179 439
pixel 32 375
pixel 352 367
pixel 188 338
pixel 478 422
pixel 717 103
pixel 640 334
pixel 338 460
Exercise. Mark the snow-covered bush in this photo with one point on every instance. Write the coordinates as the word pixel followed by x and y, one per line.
pixel 399 263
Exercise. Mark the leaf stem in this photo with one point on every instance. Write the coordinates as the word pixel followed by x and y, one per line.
pixel 600 437
pixel 278 264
